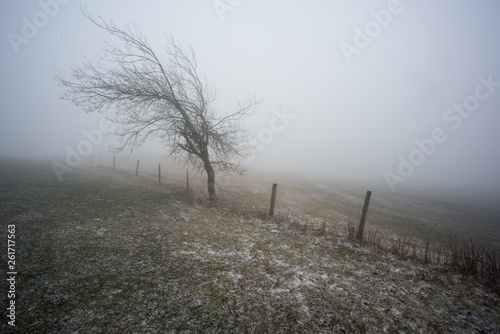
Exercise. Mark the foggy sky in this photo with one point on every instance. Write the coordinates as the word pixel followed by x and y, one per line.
pixel 361 82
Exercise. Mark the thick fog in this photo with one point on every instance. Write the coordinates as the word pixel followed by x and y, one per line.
pixel 392 95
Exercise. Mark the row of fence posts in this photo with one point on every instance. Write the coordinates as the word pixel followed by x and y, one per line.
pixel 137 169
pixel 100 159
pixel 362 220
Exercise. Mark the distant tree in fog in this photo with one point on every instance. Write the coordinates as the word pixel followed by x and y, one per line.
pixel 160 98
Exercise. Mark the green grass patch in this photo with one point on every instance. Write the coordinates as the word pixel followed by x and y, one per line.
pixel 110 252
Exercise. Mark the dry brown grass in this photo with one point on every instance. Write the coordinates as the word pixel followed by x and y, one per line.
pixel 118 254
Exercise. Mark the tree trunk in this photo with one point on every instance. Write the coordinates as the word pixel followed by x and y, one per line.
pixel 210 180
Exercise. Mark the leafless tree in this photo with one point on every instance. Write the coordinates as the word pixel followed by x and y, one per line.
pixel 161 99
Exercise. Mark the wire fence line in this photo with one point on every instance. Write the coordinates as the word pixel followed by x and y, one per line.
pixel 463 256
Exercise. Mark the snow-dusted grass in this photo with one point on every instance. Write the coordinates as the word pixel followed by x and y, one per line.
pixel 114 253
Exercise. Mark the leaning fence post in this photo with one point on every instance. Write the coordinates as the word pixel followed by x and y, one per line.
pixel 362 220
pixel 273 199
pixel 137 168
pixel 159 173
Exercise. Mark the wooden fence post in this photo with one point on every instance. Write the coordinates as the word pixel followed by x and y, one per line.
pixel 159 173
pixel 362 220
pixel 137 168
pixel 273 199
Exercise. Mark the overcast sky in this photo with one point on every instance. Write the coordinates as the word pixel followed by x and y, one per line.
pixel 355 83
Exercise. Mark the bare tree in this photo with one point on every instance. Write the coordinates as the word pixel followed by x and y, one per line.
pixel 161 99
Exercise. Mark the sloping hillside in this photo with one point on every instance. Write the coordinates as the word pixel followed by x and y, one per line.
pixel 108 252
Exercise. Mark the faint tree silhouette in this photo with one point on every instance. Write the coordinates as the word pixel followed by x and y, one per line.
pixel 163 99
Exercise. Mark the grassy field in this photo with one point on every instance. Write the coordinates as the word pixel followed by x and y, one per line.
pixel 107 252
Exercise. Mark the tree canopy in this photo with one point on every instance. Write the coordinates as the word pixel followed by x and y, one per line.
pixel 162 99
